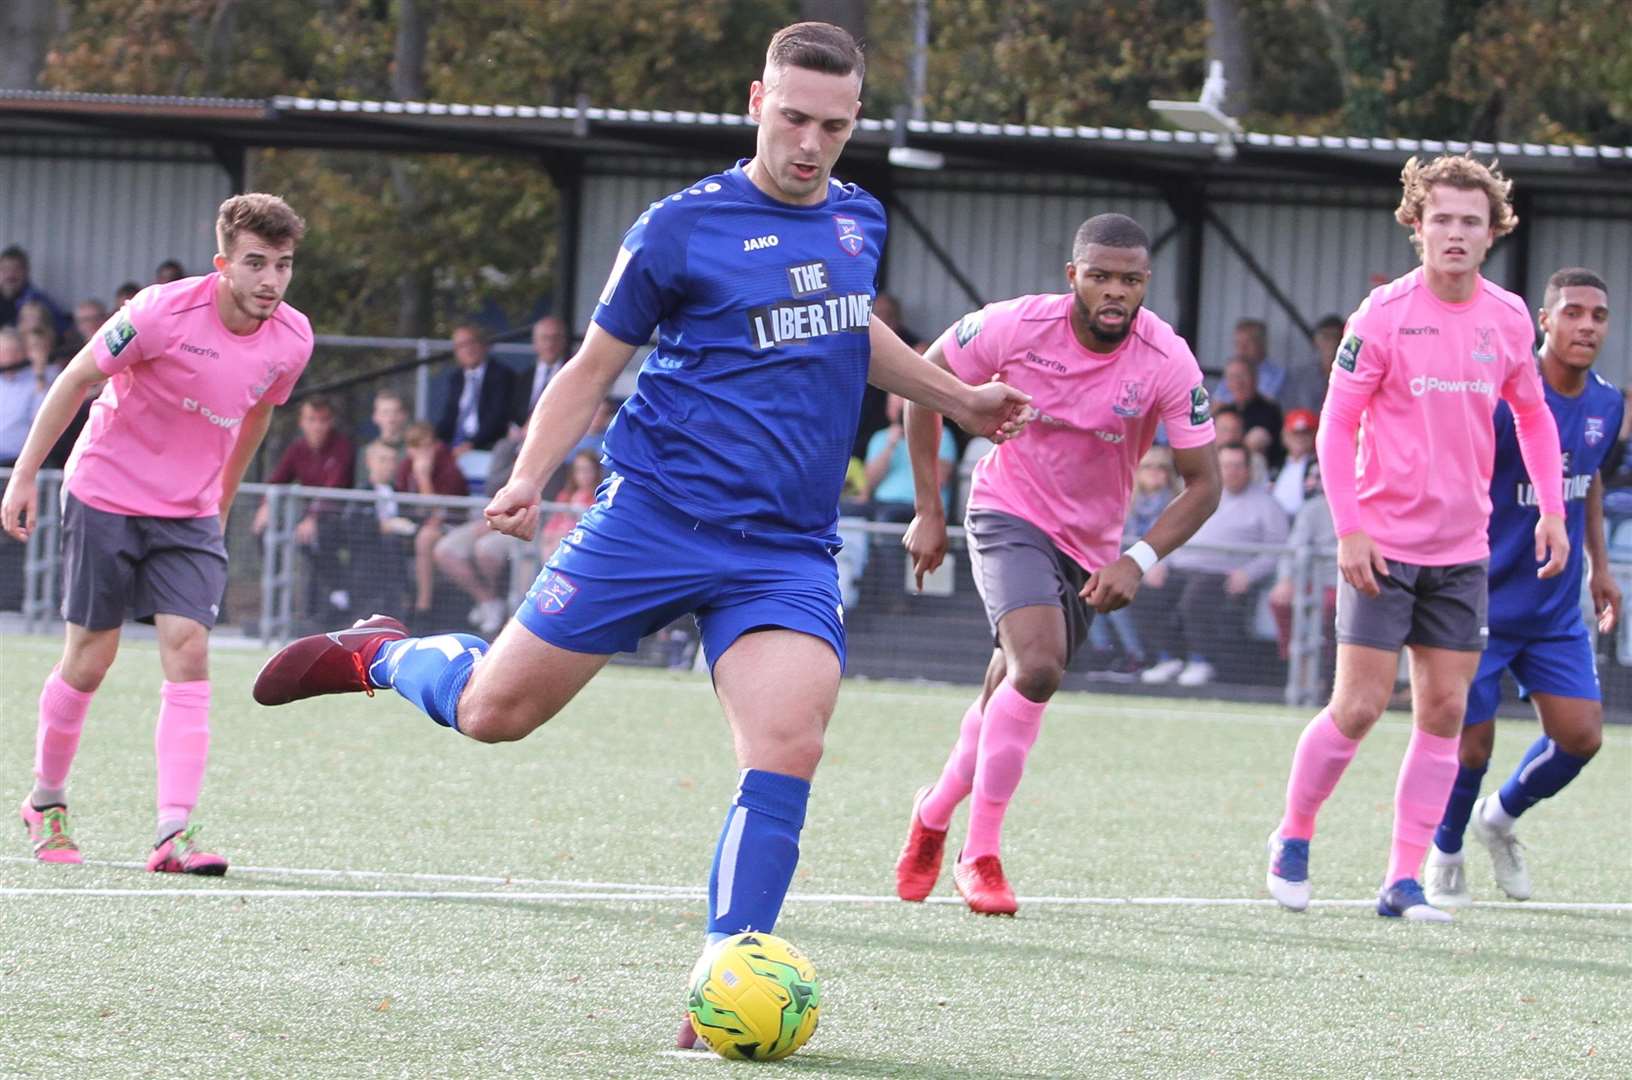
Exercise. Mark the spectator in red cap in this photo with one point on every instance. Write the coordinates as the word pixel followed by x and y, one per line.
pixel 1298 437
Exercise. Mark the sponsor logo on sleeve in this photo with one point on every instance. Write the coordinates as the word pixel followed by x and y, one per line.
pixel 1349 353
pixel 119 333
pixel 969 326
pixel 1201 406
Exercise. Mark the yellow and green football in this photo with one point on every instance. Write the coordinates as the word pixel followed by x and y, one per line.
pixel 754 997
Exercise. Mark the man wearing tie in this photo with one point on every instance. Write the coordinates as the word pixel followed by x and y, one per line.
pixel 478 398
pixel 550 347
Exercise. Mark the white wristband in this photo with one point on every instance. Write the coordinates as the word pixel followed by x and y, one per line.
pixel 1143 554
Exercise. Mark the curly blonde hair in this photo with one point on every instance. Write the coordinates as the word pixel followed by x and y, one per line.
pixel 1462 171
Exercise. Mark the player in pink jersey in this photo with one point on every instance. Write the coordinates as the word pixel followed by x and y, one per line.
pixel 1422 365
pixel 1046 515
pixel 194 369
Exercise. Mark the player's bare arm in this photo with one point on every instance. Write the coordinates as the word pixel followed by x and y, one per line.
pixel 994 410
pixel 62 401
pixel 925 538
pixel 1114 586
pixel 250 436
pixel 1606 595
pixel 562 416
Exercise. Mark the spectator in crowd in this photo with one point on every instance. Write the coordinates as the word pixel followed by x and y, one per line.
pixel 874 402
pixel 1311 528
pixel 89 315
pixel 1231 430
pixel 478 397
pixel 1251 343
pixel 1305 385
pixel 23 383
pixel 16 290
pixel 477 558
pixel 578 493
pixel 1261 416
pixel 124 294
pixel 889 468
pixel 387 424
pixel 1193 606
pixel 428 469
pixel 1228 425
pixel 169 270
pixel 595 437
pixel 549 357
pixel 321 457
pixel 376 534
pixel 1298 436
pixel 1155 483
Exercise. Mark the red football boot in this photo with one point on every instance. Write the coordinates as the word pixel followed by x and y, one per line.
pixel 920 861
pixel 983 887
pixel 332 663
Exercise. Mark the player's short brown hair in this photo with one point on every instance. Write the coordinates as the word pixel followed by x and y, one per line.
pixel 267 216
pixel 1462 171
pixel 817 46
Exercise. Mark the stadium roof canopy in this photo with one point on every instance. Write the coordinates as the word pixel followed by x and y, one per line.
pixel 560 134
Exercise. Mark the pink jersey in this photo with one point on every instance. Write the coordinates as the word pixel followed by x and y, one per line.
pixel 1070 472
pixel 1430 374
pixel 180 384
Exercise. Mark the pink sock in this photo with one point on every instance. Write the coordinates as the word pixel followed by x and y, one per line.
pixel 1426 777
pixel 1011 726
pixel 62 717
pixel 1323 753
pixel 181 743
pixel 957 776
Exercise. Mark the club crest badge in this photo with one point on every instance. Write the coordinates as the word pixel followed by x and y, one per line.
pixel 553 593
pixel 1127 398
pixel 1594 433
pixel 851 238
pixel 1484 344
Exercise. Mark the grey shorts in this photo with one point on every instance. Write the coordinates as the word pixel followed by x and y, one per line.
pixel 1016 565
pixel 115 566
pixel 1442 607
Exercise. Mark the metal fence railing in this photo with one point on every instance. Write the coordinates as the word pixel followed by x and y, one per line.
pixel 431 560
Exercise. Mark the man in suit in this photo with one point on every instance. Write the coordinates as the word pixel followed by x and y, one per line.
pixel 478 397
pixel 550 350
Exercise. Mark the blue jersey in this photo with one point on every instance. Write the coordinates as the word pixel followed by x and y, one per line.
pixel 745 412
pixel 1520 603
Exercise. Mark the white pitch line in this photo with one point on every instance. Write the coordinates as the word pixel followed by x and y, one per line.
pixel 401 875
pixel 1185 709
pixel 697 895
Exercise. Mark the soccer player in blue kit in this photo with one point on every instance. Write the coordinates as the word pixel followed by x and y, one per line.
pixel 1536 628
pixel 725 468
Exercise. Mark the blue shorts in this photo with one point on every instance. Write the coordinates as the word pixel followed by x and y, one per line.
pixel 1561 665
pixel 635 564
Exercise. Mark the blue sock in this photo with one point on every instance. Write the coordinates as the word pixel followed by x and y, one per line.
pixel 1464 793
pixel 1543 773
pixel 431 672
pixel 756 854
